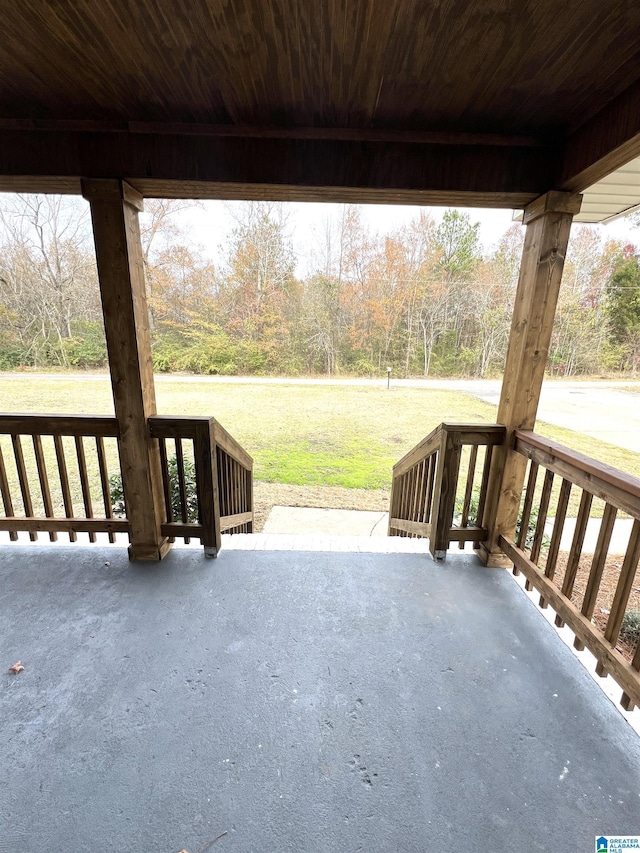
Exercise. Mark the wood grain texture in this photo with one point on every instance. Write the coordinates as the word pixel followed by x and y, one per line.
pixel 65 525
pixel 575 552
pixel 545 246
pixel 64 481
pixel 623 590
pixel 126 321
pixel 80 81
pixel 5 492
pixel 36 424
pixel 597 566
pixel 302 167
pixel 556 536
pixel 425 481
pixel 602 480
pixel 384 63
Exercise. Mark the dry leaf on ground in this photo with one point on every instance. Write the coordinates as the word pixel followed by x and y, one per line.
pixel 16 668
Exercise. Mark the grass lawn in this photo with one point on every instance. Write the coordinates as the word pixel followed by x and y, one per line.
pixel 335 435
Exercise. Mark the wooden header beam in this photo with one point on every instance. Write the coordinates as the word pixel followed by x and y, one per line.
pixel 174 165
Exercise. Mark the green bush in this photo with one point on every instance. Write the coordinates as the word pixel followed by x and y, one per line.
pixel 87 347
pixel 473 519
pixel 191 492
pixel 631 625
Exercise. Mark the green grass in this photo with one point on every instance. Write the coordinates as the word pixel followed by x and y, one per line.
pixel 301 434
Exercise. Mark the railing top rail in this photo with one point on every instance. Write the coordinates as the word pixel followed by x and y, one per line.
pixel 41 424
pixel 486 434
pixel 230 446
pixel 586 465
pixel 178 426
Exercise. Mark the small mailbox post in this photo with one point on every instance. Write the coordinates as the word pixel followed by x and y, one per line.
pixel 388 377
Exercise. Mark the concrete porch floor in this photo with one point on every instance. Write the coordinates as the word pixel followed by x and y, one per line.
pixel 296 702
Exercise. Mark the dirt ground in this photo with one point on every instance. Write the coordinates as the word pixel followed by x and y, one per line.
pixel 267 495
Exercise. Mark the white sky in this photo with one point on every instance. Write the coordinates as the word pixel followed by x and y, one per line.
pixel 211 225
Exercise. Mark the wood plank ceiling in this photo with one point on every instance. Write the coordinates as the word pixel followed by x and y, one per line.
pixel 499 99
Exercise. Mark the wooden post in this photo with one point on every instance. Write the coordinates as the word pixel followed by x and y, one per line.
pixel 444 493
pixel 548 220
pixel 114 213
pixel 206 461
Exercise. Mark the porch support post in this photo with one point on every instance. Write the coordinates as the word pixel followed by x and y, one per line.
pixel 548 220
pixel 114 213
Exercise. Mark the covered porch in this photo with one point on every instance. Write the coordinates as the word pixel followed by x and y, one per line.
pixel 289 701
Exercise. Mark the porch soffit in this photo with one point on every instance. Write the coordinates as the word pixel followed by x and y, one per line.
pixel 374 101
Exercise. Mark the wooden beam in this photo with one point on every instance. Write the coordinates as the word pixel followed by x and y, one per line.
pixel 36 424
pixel 605 143
pixel 65 525
pixel 114 213
pixel 549 223
pixel 391 171
pixel 365 134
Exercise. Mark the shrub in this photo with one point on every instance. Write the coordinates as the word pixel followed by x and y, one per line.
pixel 191 492
pixel 631 625
pixel 87 347
pixel 473 519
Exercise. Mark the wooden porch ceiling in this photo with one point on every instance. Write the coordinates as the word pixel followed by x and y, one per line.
pixel 376 100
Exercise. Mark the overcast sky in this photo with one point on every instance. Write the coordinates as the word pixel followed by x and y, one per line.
pixel 210 226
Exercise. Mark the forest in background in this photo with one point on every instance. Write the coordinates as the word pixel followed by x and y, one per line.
pixel 426 300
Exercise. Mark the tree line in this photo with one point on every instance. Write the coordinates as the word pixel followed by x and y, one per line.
pixel 426 299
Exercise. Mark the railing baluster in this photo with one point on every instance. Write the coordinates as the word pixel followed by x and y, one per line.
pixel 84 482
pixel 166 486
pixel 538 536
pixel 182 486
pixel 249 498
pixel 468 491
pixel 576 549
pixel 414 493
pixel 6 496
pixel 64 482
pixel 484 485
pixel 528 504
pixel 429 497
pixel 597 566
pixel 44 483
pixel 411 486
pixel 556 536
pixel 401 501
pixel 422 491
pixel 24 481
pixel 623 591
pixel 104 482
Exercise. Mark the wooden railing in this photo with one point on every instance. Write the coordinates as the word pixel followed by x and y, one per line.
pixel 208 460
pixel 571 585
pixel 79 449
pixel 427 481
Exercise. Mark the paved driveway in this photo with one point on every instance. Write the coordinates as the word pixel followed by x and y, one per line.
pixel 607 411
